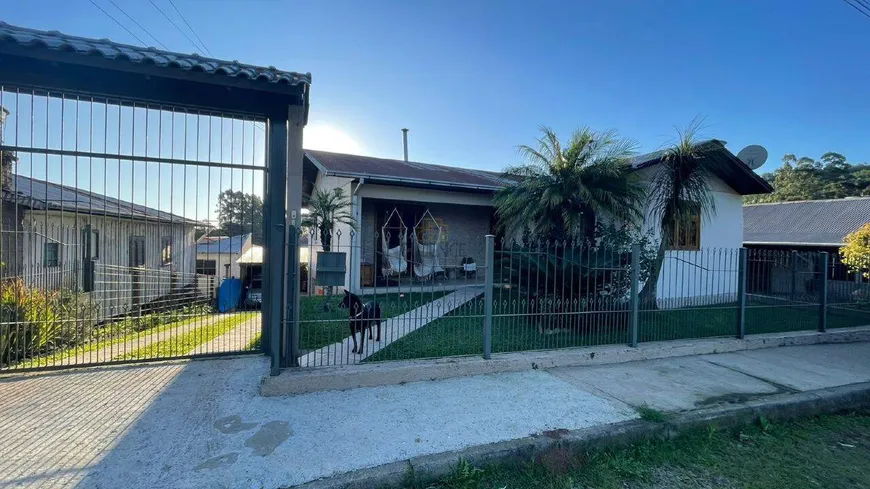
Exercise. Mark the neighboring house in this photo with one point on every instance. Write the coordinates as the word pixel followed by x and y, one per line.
pixel 123 255
pixel 218 256
pixel 806 227
pixel 454 206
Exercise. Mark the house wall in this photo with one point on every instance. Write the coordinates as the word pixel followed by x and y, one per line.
pixel 708 276
pixel 224 259
pixel 11 239
pixel 118 287
pixel 344 237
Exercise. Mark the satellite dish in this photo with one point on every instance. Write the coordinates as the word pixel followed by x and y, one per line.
pixel 753 155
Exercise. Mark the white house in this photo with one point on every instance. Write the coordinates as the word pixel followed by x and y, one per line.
pixel 218 257
pixel 122 255
pixel 453 206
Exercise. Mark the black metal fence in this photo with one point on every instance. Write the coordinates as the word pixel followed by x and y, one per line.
pixel 108 207
pixel 537 295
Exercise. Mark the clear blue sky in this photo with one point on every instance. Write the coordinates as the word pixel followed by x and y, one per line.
pixel 474 79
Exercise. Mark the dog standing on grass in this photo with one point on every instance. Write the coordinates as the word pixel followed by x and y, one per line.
pixel 362 315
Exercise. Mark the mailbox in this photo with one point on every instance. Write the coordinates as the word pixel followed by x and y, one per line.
pixel 331 268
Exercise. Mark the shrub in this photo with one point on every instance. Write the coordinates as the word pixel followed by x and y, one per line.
pixel 34 321
pixel 552 280
pixel 26 321
pixel 856 251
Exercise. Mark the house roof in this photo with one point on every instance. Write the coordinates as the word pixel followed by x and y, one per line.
pixel 230 245
pixel 409 173
pixel 108 50
pixel 40 194
pixel 807 223
pixel 726 166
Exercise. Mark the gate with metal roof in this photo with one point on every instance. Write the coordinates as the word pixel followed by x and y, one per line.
pixel 137 185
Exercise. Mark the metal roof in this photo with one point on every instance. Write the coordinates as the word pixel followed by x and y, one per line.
pixel 230 245
pixel 40 194
pixel 726 166
pixel 804 223
pixel 734 172
pixel 408 172
pixel 57 41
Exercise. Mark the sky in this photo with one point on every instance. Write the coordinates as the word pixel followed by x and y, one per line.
pixel 474 79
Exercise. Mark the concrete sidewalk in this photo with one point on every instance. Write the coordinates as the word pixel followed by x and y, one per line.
pixel 202 424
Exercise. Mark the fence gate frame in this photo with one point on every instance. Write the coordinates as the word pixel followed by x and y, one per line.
pixel 53 62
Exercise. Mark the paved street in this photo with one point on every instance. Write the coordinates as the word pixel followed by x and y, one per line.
pixel 202 423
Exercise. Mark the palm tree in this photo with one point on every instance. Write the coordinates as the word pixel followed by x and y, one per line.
pixel 560 191
pixel 679 190
pixel 326 209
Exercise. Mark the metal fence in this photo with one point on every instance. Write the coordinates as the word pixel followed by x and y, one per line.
pixel 538 295
pixel 109 207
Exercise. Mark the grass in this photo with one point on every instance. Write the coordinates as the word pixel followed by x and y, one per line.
pixel 460 332
pixel 652 415
pixel 120 333
pixel 828 451
pixel 318 328
pixel 183 344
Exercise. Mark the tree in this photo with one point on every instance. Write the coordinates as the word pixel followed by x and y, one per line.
pixel 855 253
pixel 326 209
pixel 561 190
pixel 829 177
pixel 679 190
pixel 240 213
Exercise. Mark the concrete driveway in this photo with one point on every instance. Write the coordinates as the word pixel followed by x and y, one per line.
pixel 202 423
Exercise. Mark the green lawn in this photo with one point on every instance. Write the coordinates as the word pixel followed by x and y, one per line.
pixel 823 452
pixel 318 328
pixel 110 335
pixel 460 332
pixel 183 344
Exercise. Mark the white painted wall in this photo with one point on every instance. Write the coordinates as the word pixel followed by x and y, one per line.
pixel 114 289
pixel 708 276
pixel 344 238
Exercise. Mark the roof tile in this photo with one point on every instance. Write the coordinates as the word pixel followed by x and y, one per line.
pixel 57 41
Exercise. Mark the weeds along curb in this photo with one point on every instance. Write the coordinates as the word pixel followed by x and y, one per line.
pixel 779 407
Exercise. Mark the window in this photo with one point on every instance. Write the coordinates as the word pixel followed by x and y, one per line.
pixel 137 251
pixel 51 255
pixel 206 267
pixel 90 243
pixel 687 235
pixel 166 250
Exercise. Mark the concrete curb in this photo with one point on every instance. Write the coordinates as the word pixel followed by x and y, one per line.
pixel 777 407
pixel 302 381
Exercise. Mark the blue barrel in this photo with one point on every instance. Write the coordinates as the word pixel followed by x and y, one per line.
pixel 229 294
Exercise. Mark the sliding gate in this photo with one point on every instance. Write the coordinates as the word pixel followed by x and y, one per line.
pixel 142 197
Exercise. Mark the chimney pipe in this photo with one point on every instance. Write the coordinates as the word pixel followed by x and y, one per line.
pixel 405 142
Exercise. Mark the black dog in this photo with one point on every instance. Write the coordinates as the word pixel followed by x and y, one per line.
pixel 361 318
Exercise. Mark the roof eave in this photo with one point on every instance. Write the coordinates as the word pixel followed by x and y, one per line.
pixel 392 180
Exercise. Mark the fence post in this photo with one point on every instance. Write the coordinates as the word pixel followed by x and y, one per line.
pixel 635 299
pixel 487 307
pixel 823 299
pixel 794 256
pixel 741 294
